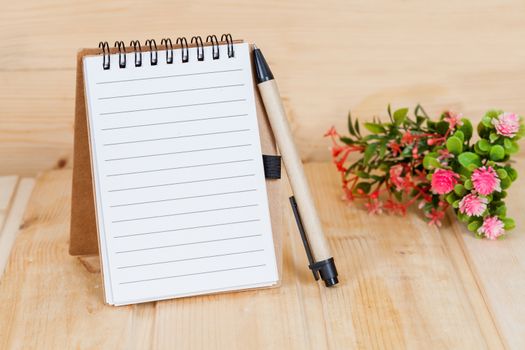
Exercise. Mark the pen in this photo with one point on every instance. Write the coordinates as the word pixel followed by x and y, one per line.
pixel 314 240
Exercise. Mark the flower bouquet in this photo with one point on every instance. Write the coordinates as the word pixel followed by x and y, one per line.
pixel 434 163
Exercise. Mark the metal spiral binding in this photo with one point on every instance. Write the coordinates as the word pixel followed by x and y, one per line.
pixel 105 54
pixel 121 53
pixel 138 55
pixel 167 44
pixel 229 41
pixel 169 53
pixel 153 54
pixel 184 47
pixel 214 46
pixel 200 47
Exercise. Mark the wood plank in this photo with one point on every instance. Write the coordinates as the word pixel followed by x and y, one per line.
pixel 13 220
pixel 270 318
pixel 328 58
pixel 7 188
pixel 499 267
pixel 400 287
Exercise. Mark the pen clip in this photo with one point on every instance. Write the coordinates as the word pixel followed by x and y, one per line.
pixel 309 255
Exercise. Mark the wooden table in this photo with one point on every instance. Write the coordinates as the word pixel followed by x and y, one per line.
pixel 404 284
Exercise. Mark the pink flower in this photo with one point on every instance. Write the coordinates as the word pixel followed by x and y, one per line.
pixel 453 119
pixel 331 132
pixel 443 181
pixel 507 124
pixel 395 147
pixel 401 182
pixel 486 180
pixel 473 205
pixel 435 216
pixel 492 227
pixel 374 206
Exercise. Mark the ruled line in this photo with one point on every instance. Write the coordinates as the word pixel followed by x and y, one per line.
pixel 177 137
pixel 192 258
pixel 180 167
pixel 171 107
pixel 171 91
pixel 179 152
pixel 169 76
pixel 185 244
pixel 194 274
pixel 181 183
pixel 185 213
pixel 181 198
pixel 188 228
pixel 175 122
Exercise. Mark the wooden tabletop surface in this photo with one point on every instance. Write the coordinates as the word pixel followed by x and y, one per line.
pixel 404 284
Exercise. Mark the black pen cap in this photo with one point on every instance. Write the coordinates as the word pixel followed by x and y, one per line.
pixel 262 71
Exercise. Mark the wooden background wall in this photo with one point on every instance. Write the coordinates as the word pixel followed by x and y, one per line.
pixel 328 56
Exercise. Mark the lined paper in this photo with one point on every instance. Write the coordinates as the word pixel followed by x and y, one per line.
pixel 180 193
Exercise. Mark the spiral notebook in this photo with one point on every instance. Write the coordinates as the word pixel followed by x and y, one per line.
pixel 179 186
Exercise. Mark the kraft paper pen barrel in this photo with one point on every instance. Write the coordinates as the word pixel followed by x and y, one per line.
pixel 302 202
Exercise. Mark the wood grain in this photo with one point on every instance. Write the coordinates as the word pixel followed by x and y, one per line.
pixel 499 268
pixel 14 197
pixel 404 284
pixel 328 57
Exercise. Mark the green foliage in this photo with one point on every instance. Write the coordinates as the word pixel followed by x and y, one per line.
pixel 454 145
pixel 402 155
pixel 469 159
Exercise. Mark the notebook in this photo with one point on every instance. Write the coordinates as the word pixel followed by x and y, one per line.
pixel 180 194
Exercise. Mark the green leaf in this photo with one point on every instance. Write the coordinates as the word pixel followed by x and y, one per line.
pixel 483 131
pixel 350 126
pixel 463 217
pixel 468 184
pixel 501 210
pixel 356 127
pixel 382 150
pixel 454 145
pixel 451 197
pixel 493 113
pixel 459 134
pixel 474 225
pixel 483 145
pixel 513 174
pixel 469 158
pixel 514 148
pixel 486 121
pixel 442 127
pixel 400 116
pixel 497 153
pixel 460 190
pixel 493 137
pixel 362 174
pixel 365 186
pixel 505 183
pixel 502 173
pixel 369 152
pixel 466 128
pixel 456 204
pixel 509 224
pixel 346 140
pixel 430 162
pixel 375 128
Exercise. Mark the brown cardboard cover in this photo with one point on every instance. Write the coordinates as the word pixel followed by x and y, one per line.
pixel 83 231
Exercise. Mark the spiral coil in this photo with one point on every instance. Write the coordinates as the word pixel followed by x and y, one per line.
pixel 196 43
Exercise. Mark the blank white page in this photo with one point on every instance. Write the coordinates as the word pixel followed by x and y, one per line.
pixel 180 193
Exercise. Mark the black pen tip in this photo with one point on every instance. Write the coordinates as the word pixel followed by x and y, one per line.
pixel 262 71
